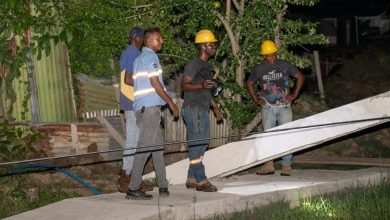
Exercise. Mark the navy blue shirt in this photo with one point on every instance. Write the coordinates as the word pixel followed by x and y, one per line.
pixel 126 65
pixel 274 80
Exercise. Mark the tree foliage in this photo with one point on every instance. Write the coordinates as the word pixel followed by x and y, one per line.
pixel 26 29
pixel 17 142
pixel 98 31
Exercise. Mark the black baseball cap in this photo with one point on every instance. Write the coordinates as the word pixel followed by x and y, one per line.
pixel 139 32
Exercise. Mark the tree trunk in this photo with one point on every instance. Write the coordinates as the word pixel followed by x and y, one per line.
pixel 251 125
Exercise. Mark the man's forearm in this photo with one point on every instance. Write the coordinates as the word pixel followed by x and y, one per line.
pixel 249 88
pixel 300 80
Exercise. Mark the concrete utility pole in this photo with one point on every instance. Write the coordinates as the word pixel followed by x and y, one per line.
pixel 319 76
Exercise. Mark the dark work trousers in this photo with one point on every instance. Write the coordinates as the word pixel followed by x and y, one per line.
pixel 150 133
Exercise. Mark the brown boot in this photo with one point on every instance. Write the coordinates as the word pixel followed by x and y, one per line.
pixel 146 185
pixel 123 181
pixel 267 168
pixel 191 183
pixel 205 186
pixel 286 171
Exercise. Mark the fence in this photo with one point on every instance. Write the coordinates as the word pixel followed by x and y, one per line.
pixel 176 130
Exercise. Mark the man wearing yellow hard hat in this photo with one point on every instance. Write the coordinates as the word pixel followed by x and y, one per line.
pixel 198 84
pixel 276 98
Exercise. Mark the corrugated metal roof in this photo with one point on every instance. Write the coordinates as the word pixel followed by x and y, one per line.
pixel 53 88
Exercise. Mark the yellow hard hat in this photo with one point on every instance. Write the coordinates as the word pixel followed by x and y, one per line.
pixel 205 36
pixel 268 47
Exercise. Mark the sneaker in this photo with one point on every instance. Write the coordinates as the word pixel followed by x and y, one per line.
pixel 137 195
pixel 206 186
pixel 267 169
pixel 163 192
pixel 191 183
pixel 286 171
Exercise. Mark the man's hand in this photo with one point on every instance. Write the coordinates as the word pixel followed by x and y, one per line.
pixel 260 101
pixel 207 84
pixel 174 109
pixel 155 82
pixel 249 86
pixel 300 78
pixel 290 98
pixel 218 114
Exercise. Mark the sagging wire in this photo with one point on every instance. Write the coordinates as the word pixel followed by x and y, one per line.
pixel 198 140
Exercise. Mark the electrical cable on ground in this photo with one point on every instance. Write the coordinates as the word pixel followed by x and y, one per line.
pixel 197 140
pixel 50 167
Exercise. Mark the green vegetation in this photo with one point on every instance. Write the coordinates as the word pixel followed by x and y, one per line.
pixel 16 142
pixel 96 33
pixel 371 202
pixel 18 44
pixel 20 193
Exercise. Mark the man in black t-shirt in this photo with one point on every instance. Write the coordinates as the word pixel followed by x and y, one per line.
pixel 196 84
pixel 275 100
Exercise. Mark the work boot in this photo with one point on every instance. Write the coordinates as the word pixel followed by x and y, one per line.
pixel 191 183
pixel 285 171
pixel 163 192
pixel 123 181
pixel 205 186
pixel 137 195
pixel 267 169
pixel 146 185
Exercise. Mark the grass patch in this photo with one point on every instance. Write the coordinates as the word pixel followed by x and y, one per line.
pixel 20 193
pixel 371 202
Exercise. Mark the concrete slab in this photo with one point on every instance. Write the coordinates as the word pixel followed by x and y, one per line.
pixel 259 148
pixel 236 193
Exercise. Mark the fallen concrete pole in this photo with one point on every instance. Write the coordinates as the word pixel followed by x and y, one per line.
pixel 256 149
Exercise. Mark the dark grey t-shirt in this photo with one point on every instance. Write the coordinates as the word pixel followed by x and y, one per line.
pixel 274 80
pixel 199 71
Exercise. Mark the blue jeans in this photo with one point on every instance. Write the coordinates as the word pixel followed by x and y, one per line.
pixel 198 127
pixel 273 116
pixel 132 133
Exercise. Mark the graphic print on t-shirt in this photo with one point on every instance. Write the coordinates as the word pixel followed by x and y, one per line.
pixel 275 86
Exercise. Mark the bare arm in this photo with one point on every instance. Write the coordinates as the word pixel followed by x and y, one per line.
pixel 217 112
pixel 129 79
pixel 161 92
pixel 188 86
pixel 251 91
pixel 299 83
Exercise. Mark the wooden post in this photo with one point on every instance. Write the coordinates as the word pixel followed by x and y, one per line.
pixel 114 133
pixel 75 137
pixel 319 76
